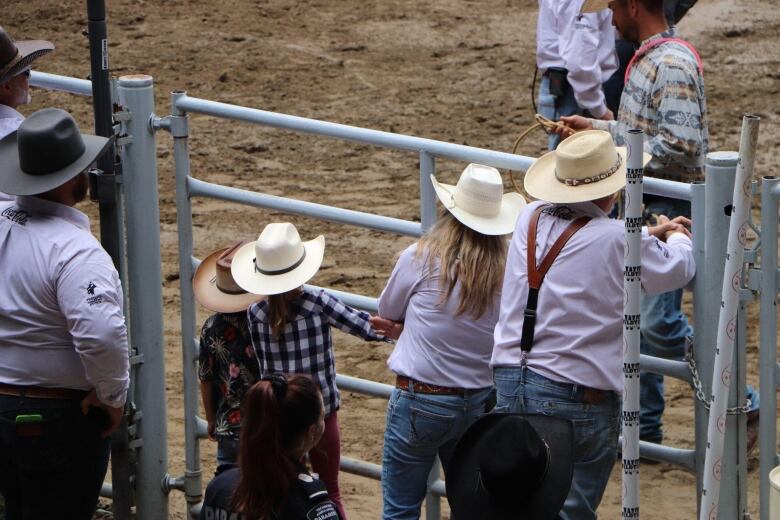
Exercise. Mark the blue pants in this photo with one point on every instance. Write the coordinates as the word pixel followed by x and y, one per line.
pixel 227 450
pixel 520 390
pixel 419 427
pixel 553 108
pixel 53 468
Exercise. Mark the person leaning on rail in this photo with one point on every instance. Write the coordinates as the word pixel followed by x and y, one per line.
pixel 442 299
pixel 64 368
pixel 558 342
pixel 663 96
pixel 15 61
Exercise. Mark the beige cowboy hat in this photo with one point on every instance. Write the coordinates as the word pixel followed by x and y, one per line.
pixel 215 287
pixel 585 166
pixel 16 57
pixel 278 262
pixel 591 6
pixel 478 200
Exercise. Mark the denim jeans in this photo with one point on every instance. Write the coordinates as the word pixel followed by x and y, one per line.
pixel 553 108
pixel 520 390
pixel 52 468
pixel 419 427
pixel 227 449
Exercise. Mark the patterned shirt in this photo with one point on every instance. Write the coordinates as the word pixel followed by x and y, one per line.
pixel 665 98
pixel 305 345
pixel 228 360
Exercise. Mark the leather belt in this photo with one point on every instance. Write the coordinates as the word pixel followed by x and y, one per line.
pixel 41 392
pixel 594 395
pixel 403 383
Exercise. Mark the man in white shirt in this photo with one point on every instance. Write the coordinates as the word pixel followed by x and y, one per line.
pixel 558 342
pixel 575 54
pixel 15 61
pixel 64 368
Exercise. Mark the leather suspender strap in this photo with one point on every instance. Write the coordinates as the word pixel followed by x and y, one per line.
pixel 536 274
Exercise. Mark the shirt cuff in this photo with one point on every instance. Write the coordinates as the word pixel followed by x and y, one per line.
pixel 678 238
pixel 599 124
pixel 112 395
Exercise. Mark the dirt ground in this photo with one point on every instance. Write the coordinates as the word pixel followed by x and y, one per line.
pixel 452 70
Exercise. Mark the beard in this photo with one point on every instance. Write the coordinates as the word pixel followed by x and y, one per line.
pixel 81 187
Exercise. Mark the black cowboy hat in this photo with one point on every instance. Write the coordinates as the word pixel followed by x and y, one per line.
pixel 17 56
pixel 512 467
pixel 45 152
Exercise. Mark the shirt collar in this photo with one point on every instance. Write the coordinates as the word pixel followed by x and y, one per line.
pixel 8 112
pixel 585 208
pixel 671 32
pixel 38 205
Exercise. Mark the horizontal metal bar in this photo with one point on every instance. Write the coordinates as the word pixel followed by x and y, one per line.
pixel 677 456
pixel 353 133
pixel 439 488
pixel 360 467
pixel 106 490
pixel 666 188
pixel 365 303
pixel 201 428
pixel 48 81
pixel 666 367
pixel 363 386
pixel 198 188
pixel 776 191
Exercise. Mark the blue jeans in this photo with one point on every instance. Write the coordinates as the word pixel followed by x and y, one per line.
pixel 52 468
pixel 553 108
pixel 419 427
pixel 520 390
pixel 227 450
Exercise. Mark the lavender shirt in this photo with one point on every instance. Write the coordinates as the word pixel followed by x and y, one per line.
pixel 436 346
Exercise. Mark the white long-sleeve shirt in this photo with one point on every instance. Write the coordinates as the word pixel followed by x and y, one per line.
pixel 583 44
pixel 61 323
pixel 435 346
pixel 10 120
pixel 579 326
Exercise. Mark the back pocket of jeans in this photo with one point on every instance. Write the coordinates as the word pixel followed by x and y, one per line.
pixel 428 428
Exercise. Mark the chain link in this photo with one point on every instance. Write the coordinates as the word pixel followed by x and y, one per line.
pixel 697 386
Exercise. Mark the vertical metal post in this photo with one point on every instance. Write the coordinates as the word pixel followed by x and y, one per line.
pixel 432 501
pixel 721 170
pixel 427 193
pixel 700 307
pixel 136 94
pixel 181 155
pixel 767 437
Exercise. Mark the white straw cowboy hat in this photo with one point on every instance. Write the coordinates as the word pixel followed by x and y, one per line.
pixel 16 57
pixel 478 200
pixel 278 262
pixel 585 166
pixel 215 287
pixel 591 6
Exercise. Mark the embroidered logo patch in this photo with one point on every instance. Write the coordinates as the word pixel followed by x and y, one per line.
pixel 16 215
pixel 92 298
pixel 323 511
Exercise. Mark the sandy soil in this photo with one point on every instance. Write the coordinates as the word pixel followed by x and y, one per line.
pixel 453 70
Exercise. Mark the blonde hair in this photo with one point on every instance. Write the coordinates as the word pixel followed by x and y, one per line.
pixel 279 310
pixel 466 256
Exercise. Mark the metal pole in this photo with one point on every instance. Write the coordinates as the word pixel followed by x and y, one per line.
pixel 432 500
pixel 723 371
pixel 192 475
pixel 767 435
pixel 136 94
pixel 427 193
pixel 699 232
pixel 632 282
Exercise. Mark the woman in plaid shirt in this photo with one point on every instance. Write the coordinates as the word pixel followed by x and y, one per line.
pixel 290 329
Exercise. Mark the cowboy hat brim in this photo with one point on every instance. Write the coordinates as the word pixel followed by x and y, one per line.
pixel 247 277
pixel 28 52
pixel 591 6
pixel 468 499
pixel 204 285
pixel 512 205
pixel 15 181
pixel 541 183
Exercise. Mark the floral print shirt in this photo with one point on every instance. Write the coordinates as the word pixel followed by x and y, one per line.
pixel 228 360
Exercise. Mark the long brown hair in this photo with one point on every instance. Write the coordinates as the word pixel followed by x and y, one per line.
pixel 279 310
pixel 276 414
pixel 466 256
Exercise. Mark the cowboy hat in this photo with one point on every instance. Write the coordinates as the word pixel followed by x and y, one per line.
pixel 215 287
pixel 45 152
pixel 509 466
pixel 278 262
pixel 16 57
pixel 478 200
pixel 591 6
pixel 585 166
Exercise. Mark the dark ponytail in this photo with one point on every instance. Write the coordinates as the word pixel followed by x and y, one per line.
pixel 277 412
pixel 279 310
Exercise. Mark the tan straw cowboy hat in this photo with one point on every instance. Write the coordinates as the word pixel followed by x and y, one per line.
pixel 16 57
pixel 215 287
pixel 278 262
pixel 478 200
pixel 585 166
pixel 591 6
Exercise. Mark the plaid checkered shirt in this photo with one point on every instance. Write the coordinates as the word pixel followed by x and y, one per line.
pixel 306 345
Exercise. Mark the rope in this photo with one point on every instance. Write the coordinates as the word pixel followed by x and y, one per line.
pixel 541 122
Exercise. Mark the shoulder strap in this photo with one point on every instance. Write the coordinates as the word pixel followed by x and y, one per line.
pixel 647 47
pixel 536 274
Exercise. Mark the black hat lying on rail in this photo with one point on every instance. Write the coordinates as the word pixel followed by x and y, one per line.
pixel 45 152
pixel 510 467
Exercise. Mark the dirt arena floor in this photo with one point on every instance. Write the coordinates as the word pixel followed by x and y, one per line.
pixel 453 70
